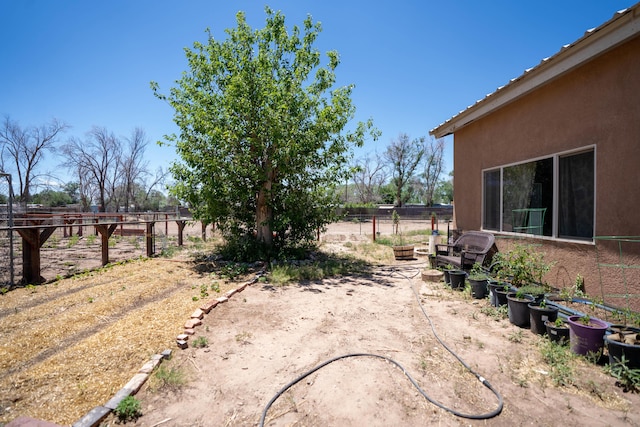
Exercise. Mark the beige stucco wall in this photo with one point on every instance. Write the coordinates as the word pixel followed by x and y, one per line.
pixel 599 105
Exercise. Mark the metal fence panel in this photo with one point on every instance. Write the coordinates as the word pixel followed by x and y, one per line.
pixel 7 271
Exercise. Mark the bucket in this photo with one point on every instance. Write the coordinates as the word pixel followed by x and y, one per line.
pixel 585 339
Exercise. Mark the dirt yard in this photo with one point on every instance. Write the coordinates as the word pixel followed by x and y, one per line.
pixel 68 347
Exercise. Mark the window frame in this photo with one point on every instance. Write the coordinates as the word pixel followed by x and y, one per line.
pixel 556 191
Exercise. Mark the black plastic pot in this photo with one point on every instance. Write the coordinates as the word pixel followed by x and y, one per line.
pixel 501 296
pixel 479 288
pixel 447 279
pixel 539 315
pixel 558 334
pixel 493 286
pixel 618 349
pixel 456 278
pixel 518 310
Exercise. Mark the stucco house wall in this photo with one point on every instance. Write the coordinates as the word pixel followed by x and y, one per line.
pixel 595 104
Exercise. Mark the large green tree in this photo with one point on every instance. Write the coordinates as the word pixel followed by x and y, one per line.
pixel 403 156
pixel 262 132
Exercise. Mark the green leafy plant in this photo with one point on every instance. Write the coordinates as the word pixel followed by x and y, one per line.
pixel 478 272
pixel 560 360
pixel 559 323
pixel 204 291
pixel 627 378
pixel 128 409
pixel 200 342
pixel 215 287
pixel 532 290
pixel 169 377
pixel 395 219
pixel 521 266
pixel 585 320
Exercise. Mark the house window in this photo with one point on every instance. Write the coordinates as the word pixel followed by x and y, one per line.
pixel 521 198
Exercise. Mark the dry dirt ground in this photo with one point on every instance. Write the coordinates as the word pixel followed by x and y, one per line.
pixel 69 347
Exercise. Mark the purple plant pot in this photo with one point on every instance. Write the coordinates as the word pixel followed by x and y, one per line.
pixel 585 339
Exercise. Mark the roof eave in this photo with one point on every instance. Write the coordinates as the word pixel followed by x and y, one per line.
pixel 622 27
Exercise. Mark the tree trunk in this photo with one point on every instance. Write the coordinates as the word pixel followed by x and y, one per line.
pixel 264 212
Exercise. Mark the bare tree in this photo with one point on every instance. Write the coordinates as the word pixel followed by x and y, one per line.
pixel 433 163
pixel 370 175
pixel 25 148
pixel 134 168
pixel 95 160
pixel 159 179
pixel 404 156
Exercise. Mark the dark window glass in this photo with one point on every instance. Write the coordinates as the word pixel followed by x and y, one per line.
pixel 491 215
pixel 576 196
pixel 528 197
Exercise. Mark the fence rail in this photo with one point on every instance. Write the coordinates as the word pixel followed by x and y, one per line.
pixel 41 247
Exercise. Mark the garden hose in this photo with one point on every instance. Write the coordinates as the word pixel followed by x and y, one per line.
pixel 480 378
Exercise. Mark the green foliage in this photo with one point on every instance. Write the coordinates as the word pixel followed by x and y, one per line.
pixel 262 141
pixel 233 270
pixel 91 238
pixel 478 272
pixel 404 155
pixel 170 377
pixel 585 320
pixel 533 290
pixel 73 240
pixel 50 198
pixel 128 409
pixel 321 268
pixel 521 265
pixel 200 342
pixel 560 360
pixel 627 378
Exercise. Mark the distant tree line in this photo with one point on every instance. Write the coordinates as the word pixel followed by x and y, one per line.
pixel 110 172
pixel 408 171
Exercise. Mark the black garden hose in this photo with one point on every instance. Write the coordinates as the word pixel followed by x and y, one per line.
pixel 480 378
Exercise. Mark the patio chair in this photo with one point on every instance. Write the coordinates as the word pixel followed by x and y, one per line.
pixel 470 248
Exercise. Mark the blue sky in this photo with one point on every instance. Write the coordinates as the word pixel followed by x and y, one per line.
pixel 414 63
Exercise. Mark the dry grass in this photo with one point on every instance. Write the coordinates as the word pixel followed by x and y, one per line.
pixel 69 346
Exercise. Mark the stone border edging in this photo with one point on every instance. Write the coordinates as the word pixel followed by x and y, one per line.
pixel 97 414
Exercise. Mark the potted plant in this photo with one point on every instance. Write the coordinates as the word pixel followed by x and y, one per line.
pixel 400 250
pixel 457 278
pixel 558 331
pixel 521 266
pixel 586 334
pixel 518 306
pixel 624 341
pixel 446 270
pixel 501 293
pixel 539 314
pixel 478 279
